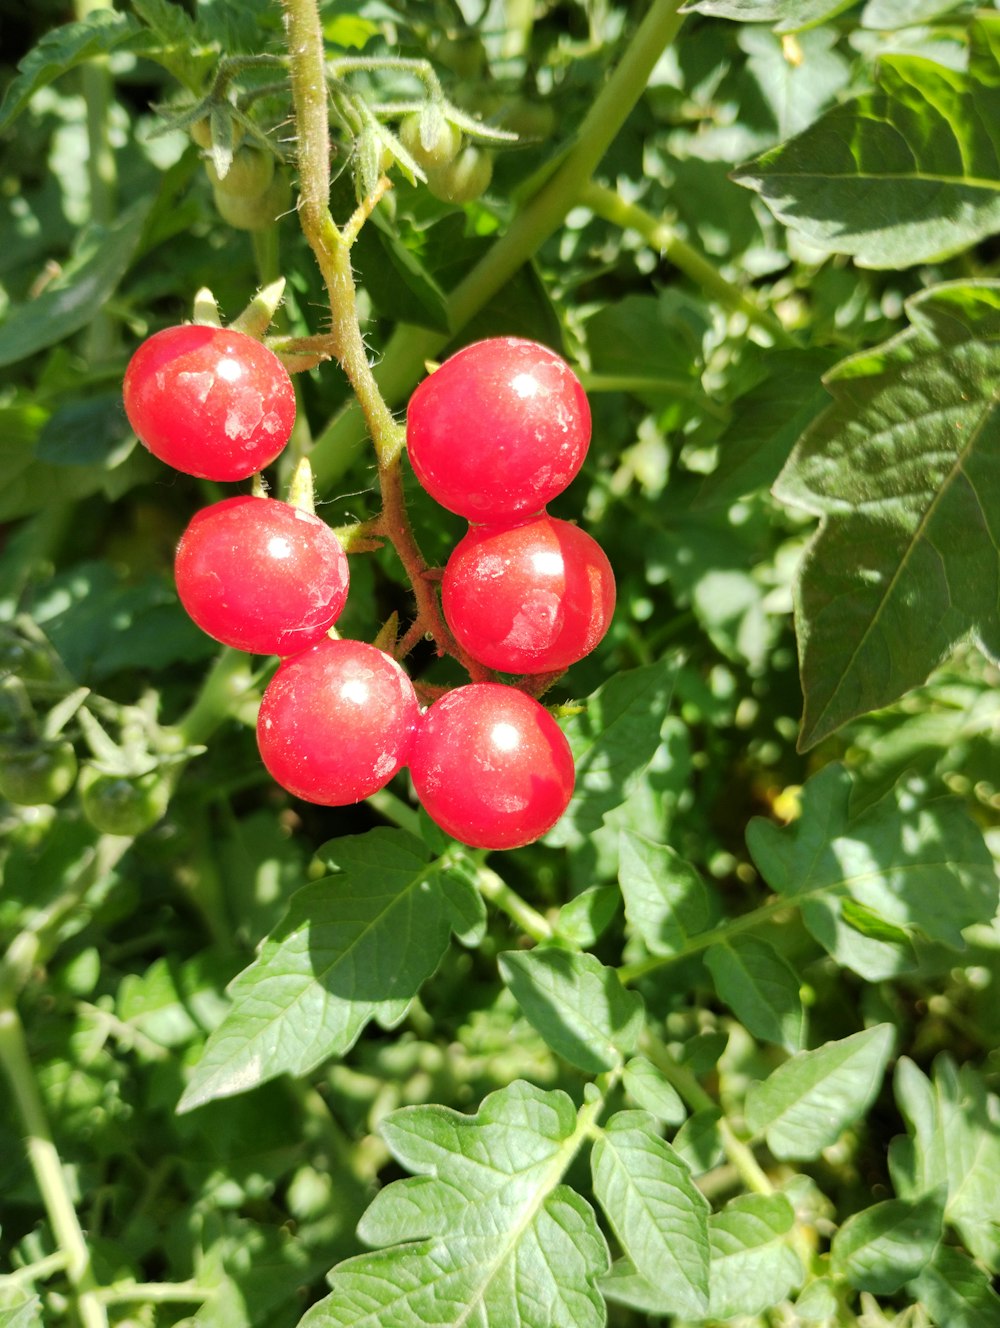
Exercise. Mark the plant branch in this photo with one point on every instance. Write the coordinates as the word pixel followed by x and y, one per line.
pixel 498 892
pixel 540 217
pixel 48 1171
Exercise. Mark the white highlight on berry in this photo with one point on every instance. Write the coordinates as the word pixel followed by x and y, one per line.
pixel 278 547
pixel 525 385
pixel 505 737
pixel 230 371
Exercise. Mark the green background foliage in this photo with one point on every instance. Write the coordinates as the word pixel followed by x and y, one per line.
pixel 722 1048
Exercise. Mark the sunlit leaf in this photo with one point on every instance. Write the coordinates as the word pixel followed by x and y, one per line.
pixel 902 469
pixel 485 1233
pixel 898 176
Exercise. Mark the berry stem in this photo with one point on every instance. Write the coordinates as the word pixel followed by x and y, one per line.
pixel 409 347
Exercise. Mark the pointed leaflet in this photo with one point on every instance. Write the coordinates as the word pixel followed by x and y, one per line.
pixel 925 868
pixel 647 1087
pixel 752 1265
pixel 787 15
pixel 904 470
pixel 613 740
pixel 352 947
pixel 956 1292
pixel 485 1234
pixel 655 1209
pixel 805 1104
pixel 900 175
pixel 760 987
pixel 666 900
pixel 578 1006
pixel 954 1142
pixel 881 1248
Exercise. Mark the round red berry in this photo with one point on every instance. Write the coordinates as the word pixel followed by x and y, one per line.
pixel 531 598
pixel 491 766
pixel 498 430
pixel 261 575
pixel 336 722
pixel 209 401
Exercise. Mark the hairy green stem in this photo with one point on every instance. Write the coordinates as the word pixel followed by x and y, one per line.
pixel 498 892
pixel 48 1171
pixel 409 347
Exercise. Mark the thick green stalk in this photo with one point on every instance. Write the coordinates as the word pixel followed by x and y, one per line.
pixel 409 347
pixel 48 1170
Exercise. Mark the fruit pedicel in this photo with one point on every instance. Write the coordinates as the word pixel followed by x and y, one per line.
pixel 493 434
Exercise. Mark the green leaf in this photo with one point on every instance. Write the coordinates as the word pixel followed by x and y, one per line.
pixel 353 947
pixel 658 1215
pixel 25 1315
pixel 900 175
pixel 767 421
pixel 466 905
pixel 866 921
pixel 647 1087
pixel 103 256
pixel 484 1233
pixel 954 1143
pixel 666 901
pixel 62 49
pixel 787 15
pixel 881 1248
pixel 902 470
pixel 587 916
pixel 698 1142
pixel 806 1103
pixel 925 868
pixel 752 1267
pixel 760 987
pixel 956 1292
pixel 613 740
pixel 398 283
pixel 578 1006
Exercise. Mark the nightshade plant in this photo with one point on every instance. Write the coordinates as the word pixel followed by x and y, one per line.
pixel 720 1047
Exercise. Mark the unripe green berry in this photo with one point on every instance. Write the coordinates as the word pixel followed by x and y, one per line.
pixel 250 173
pixel 431 140
pixel 464 179
pixel 254 214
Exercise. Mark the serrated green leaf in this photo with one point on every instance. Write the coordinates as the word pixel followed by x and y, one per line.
pixel 900 175
pixel 577 1004
pixel 954 1144
pixel 752 1266
pixel 465 903
pixel 485 1233
pixel 666 901
pixel 61 50
pixel 819 1302
pixel 613 739
pixel 647 1087
pixel 805 1104
pixel 102 257
pixel 760 987
pixel 352 948
pixel 956 1292
pixel 902 471
pixel 787 15
pixel 881 1248
pixel 926 868
pixel 658 1214
pixel 26 1315
pixel 698 1142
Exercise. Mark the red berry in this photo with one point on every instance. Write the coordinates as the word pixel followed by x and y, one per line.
pixel 261 575
pixel 498 430
pixel 336 722
pixel 531 598
pixel 491 766
pixel 209 401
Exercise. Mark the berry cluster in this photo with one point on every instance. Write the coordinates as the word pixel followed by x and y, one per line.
pixel 494 434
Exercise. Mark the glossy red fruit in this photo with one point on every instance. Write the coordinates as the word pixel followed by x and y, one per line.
pixel 209 401
pixel 491 766
pixel 498 430
pixel 531 598
pixel 336 722
pixel 261 575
